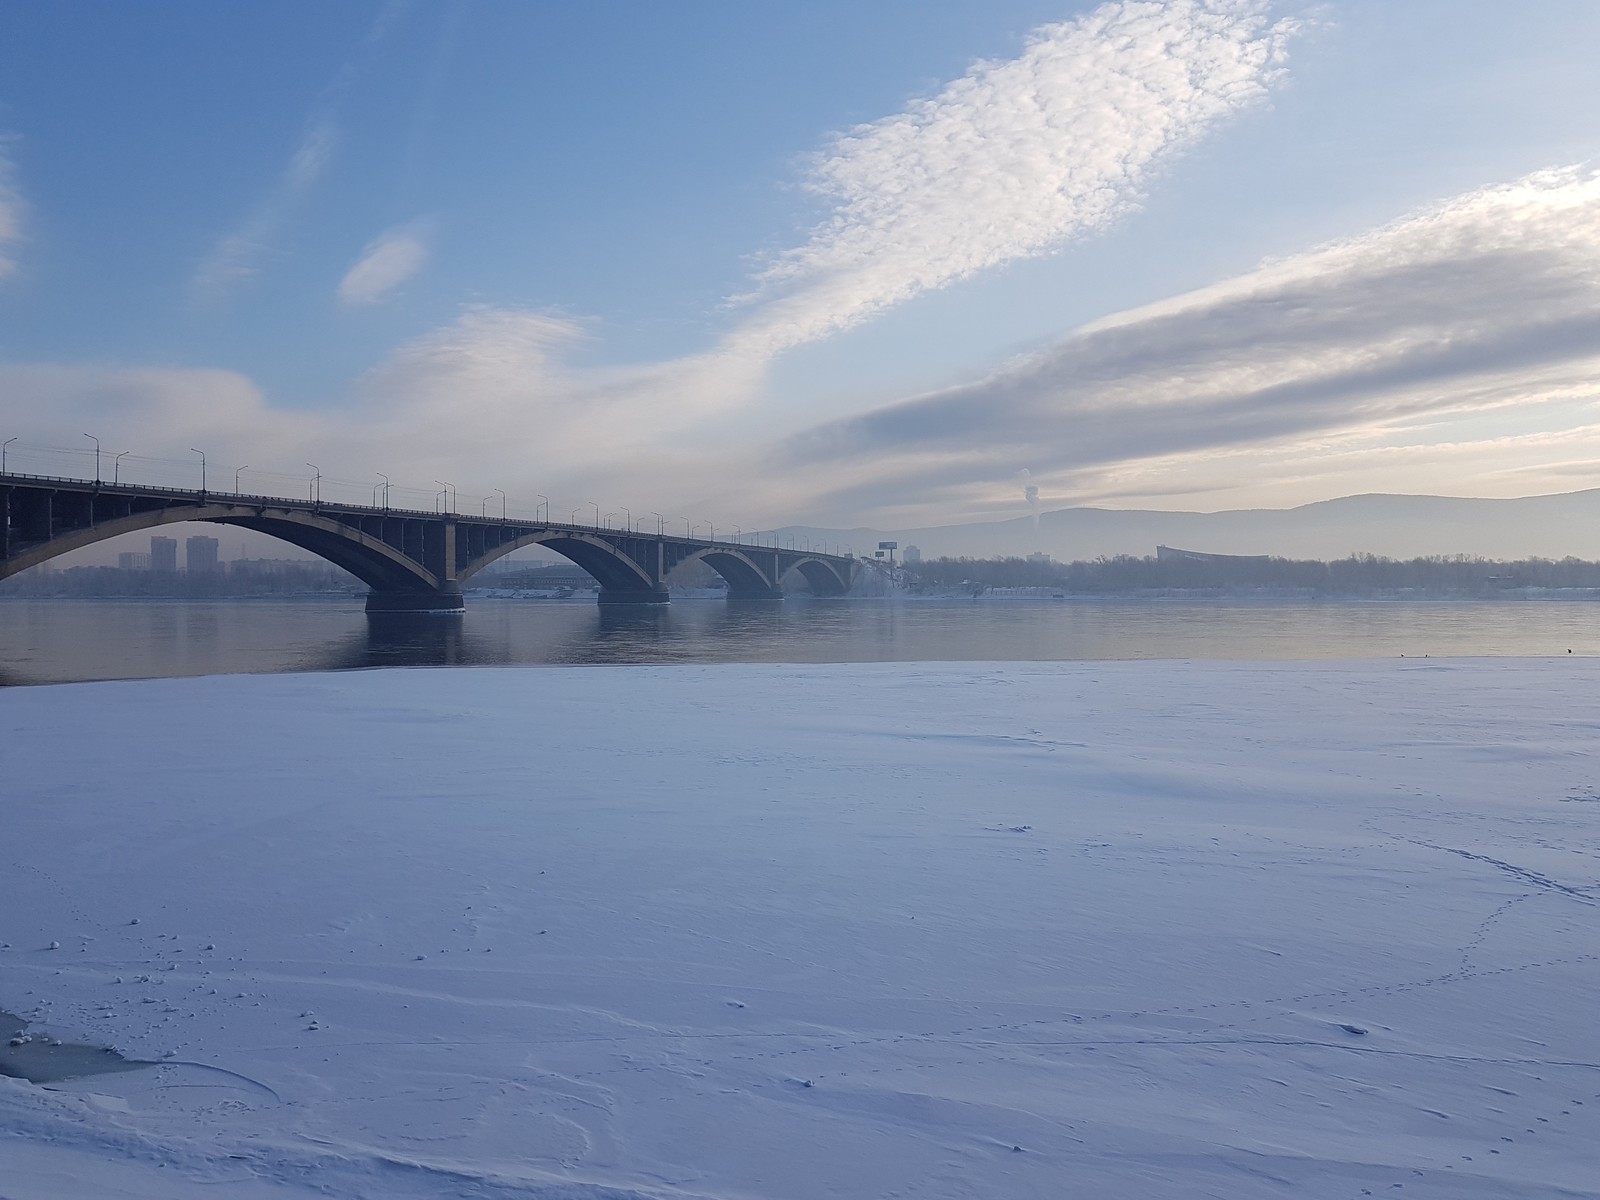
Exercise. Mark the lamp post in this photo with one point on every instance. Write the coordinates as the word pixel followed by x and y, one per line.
pixel 660 523
pixel 686 532
pixel 116 467
pixel 546 500
pixel 316 484
pixel 628 512
pixel 202 455
pixel 738 536
pixel 483 508
pixel 385 479
pixel 3 446
pixel 596 512
pixel 608 517
pixel 96 442
pixel 572 517
pixel 502 503
pixel 450 501
pixel 237 471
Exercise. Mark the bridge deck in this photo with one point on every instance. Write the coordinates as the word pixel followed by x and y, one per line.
pixel 413 559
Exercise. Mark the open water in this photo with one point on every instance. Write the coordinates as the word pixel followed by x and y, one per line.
pixel 57 641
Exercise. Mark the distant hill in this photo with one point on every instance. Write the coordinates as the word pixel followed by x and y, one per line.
pixel 1392 526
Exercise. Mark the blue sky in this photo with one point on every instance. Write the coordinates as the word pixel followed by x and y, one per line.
pixel 824 263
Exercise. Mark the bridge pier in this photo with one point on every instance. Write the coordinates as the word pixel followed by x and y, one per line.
pixel 442 601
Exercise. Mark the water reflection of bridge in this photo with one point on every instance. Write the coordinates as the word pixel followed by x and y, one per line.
pixel 413 561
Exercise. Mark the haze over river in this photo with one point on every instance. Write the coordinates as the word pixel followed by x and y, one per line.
pixel 57 641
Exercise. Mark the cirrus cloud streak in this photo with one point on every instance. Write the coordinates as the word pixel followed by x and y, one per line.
pixel 1014 159
pixel 12 209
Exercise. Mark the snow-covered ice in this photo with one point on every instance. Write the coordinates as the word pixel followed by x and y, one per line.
pixel 1022 930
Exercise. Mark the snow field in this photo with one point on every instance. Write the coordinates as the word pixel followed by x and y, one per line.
pixel 1015 930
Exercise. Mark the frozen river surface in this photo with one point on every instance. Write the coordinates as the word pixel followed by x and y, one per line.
pixel 1151 930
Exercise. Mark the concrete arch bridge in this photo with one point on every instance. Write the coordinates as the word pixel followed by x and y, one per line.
pixel 412 561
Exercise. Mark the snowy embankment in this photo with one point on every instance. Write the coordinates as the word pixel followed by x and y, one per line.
pixel 1123 930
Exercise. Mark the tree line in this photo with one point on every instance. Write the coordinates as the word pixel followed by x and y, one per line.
pixel 247 578
pixel 1458 576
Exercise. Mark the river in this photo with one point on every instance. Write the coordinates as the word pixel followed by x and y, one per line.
pixel 58 641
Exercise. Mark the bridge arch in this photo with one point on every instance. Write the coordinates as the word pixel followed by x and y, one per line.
pixel 412 561
pixel 746 578
pixel 823 577
pixel 370 560
pixel 609 565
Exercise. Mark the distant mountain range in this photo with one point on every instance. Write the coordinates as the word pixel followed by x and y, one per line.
pixel 1392 526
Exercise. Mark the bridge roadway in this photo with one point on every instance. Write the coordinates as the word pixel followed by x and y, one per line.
pixel 413 561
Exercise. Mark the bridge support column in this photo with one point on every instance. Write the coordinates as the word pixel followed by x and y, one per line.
pixel 643 596
pixel 445 600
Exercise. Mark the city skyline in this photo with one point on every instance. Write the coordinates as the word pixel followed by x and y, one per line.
pixel 842 266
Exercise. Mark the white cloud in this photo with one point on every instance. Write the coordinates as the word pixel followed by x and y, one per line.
pixel 235 257
pixel 496 389
pixel 1453 350
pixel 1486 302
pixel 387 262
pixel 157 413
pixel 1015 158
pixel 12 209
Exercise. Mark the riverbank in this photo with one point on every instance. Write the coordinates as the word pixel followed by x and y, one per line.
pixel 1012 930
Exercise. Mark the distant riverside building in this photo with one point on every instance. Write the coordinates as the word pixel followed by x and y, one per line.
pixel 913 556
pixel 1040 557
pixel 164 554
pixel 133 560
pixel 201 554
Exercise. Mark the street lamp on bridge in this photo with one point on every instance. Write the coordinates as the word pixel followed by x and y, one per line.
pixel 546 500
pixel 628 512
pixel 3 446
pixel 502 503
pixel 237 471
pixel 202 455
pixel 661 523
pixel 450 500
pixel 596 512
pixel 316 484
pixel 96 442
pixel 116 467
pixel 385 486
